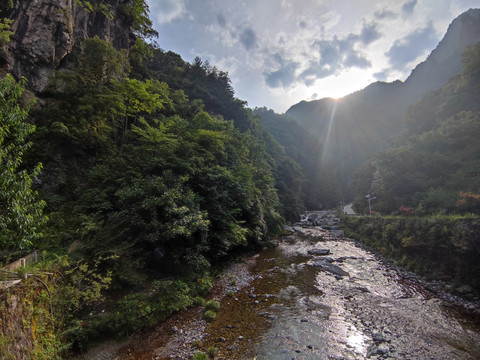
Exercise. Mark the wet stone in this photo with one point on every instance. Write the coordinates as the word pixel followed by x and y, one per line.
pixel 318 252
pixel 334 269
pixel 378 337
pixel 381 349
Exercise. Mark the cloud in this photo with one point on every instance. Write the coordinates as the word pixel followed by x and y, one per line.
pixel 407 8
pixel 409 48
pixel 369 33
pixel 385 14
pixel 315 71
pixel 337 54
pixel 330 51
pixel 221 20
pixel 354 59
pixel 283 77
pixel 382 75
pixel 248 38
pixel 165 11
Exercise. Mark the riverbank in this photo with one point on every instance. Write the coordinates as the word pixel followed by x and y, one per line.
pixel 437 247
pixel 292 302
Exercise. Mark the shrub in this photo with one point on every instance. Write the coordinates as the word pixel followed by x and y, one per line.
pixel 212 352
pixel 209 315
pixel 200 356
pixel 198 300
pixel 212 305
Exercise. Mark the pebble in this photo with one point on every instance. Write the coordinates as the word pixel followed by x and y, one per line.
pixel 240 337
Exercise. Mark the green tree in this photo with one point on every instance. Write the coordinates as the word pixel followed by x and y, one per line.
pixel 21 214
pixel 5 32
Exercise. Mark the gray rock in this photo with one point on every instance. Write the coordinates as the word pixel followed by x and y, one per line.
pixel 377 336
pixel 381 349
pixel 334 269
pixel 318 252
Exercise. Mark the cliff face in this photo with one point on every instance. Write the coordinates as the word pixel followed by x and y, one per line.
pixel 47 32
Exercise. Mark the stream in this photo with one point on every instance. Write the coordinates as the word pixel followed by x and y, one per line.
pixel 317 296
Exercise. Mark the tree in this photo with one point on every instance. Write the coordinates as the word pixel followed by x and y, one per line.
pixel 5 32
pixel 21 214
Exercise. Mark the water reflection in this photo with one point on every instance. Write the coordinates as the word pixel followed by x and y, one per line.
pixel 356 340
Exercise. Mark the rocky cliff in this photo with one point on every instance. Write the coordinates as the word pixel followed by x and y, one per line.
pixel 47 33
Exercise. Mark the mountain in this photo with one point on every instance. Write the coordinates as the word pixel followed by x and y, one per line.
pixel 361 124
pixel 434 166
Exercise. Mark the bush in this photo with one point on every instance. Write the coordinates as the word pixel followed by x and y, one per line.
pixel 212 352
pixel 199 301
pixel 200 356
pixel 209 315
pixel 212 305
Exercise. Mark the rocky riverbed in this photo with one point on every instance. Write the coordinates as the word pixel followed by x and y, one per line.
pixel 318 295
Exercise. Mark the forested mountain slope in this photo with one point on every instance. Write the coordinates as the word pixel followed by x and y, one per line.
pixel 320 188
pixel 361 124
pixel 434 166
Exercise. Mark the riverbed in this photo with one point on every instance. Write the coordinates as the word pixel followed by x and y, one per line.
pixel 317 296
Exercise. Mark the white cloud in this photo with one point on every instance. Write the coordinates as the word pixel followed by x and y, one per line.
pixel 165 11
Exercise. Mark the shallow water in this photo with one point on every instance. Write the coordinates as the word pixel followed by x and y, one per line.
pixel 295 310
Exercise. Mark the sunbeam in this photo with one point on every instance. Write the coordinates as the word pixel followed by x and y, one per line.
pixel 329 131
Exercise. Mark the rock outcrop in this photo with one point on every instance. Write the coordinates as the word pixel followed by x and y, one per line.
pixel 47 32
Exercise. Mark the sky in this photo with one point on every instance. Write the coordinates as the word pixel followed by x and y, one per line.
pixel 280 52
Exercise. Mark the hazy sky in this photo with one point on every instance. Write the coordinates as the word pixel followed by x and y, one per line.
pixel 279 52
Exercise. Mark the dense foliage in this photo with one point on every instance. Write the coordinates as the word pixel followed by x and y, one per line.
pixel 141 171
pixel 21 212
pixel 434 166
pixel 440 247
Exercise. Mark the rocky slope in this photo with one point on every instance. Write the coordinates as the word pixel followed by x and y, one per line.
pixel 47 32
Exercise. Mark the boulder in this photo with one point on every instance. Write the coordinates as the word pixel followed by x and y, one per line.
pixel 318 252
pixel 331 268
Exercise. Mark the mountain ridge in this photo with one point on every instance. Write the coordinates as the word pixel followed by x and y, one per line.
pixel 361 123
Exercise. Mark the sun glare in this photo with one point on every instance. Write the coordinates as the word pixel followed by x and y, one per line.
pixel 326 144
